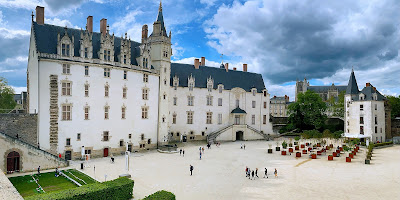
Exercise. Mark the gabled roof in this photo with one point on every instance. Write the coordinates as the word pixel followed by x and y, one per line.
pixel 238 110
pixel 369 92
pixel 46 41
pixel 230 79
pixel 352 87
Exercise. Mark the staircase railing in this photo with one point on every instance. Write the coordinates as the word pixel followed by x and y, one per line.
pixel 259 132
pixel 215 134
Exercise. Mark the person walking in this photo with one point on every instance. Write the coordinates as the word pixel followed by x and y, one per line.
pixel 276 173
pixel 247 169
pixel 38 170
pixel 266 173
pixel 256 173
pixel 202 149
pixel 241 146
pixel 200 155
pixel 180 152
pixel 252 174
pixel 249 173
pixel 183 153
pixel 191 170
pixel 244 147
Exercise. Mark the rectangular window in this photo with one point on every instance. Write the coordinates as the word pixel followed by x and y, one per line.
pixel 66 69
pixel 376 119
pixel 86 112
pixel 107 72
pixel 209 118
pixel 106 90
pixel 376 106
pixel 376 129
pixel 191 85
pixel 88 151
pixel 124 92
pixel 190 117
pixel 265 104
pixel 361 107
pixel 362 130
pixel 124 59
pixel 220 89
pixel 253 119
pixel 108 55
pixel 130 136
pixel 125 75
pixel 209 100
pixel 123 112
pixel 254 92
pixel 106 111
pixel 68 142
pixel 66 112
pixel 78 136
pixel 219 118
pixel 145 78
pixel 190 101
pixel 237 119
pixel 219 101
pixel 253 104
pixel 174 118
pixel 121 143
pixel 86 90
pixel 237 102
pixel 145 112
pixel 66 88
pixel 264 119
pixel 175 101
pixel 86 70
pixel 142 136
pixel 67 50
pixel 361 120
pixel 105 135
pixel 63 50
pixel 86 52
pixel 145 94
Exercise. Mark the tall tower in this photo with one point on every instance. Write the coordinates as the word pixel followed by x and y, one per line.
pixel 160 54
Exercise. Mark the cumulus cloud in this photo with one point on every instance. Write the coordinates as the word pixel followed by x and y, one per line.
pixel 191 61
pixel 208 2
pixel 60 22
pixel 129 24
pixel 18 90
pixel 23 4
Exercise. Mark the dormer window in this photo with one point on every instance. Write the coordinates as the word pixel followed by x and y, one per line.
pixel 145 63
pixel 362 97
pixel 65 50
pixel 65 45
pixel 254 91
pixel 107 55
pixel 191 85
pixel 176 82
pixel 220 88
pixel 191 81
pixel 124 59
pixel 210 84
pixel 86 52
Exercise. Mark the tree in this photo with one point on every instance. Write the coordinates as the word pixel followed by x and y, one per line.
pixel 336 107
pixel 394 103
pixel 308 112
pixel 7 102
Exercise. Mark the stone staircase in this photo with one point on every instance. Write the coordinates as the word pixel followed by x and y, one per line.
pixel 212 136
pixel 266 136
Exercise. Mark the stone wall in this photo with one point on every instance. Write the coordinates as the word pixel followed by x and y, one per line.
pixel 395 126
pixel 30 156
pixel 8 191
pixel 25 125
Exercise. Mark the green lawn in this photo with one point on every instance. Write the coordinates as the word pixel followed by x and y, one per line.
pixel 26 186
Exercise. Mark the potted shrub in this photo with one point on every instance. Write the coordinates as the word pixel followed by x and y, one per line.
pixel 298 154
pixel 330 157
pixel 277 147
pixel 313 156
pixel 290 142
pixel 367 161
pixel 270 148
pixel 351 155
pixel 348 159
pixel 291 150
pixel 297 138
pixel 283 153
pixel 284 144
pixel 296 148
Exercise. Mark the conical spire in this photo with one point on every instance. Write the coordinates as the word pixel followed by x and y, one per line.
pixel 160 19
pixel 352 87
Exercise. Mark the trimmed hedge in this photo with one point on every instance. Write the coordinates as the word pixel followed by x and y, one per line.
pixel 161 195
pixel 120 188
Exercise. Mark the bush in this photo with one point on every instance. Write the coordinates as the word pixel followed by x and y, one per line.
pixel 284 144
pixel 297 138
pixel 161 195
pixel 327 133
pixel 120 188
pixel 311 134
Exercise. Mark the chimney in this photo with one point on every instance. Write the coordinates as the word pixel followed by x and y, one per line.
pixel 103 26
pixel 227 67
pixel 367 84
pixel 196 63
pixel 374 88
pixel 245 67
pixel 145 32
pixel 40 15
pixel 89 24
pixel 274 96
pixel 234 69
pixel 203 61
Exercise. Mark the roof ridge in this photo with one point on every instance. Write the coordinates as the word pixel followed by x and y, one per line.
pixel 216 68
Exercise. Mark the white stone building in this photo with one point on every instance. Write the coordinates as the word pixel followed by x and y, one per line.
pixel 279 106
pixel 364 111
pixel 107 94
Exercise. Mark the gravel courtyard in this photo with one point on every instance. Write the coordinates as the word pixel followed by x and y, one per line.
pixel 221 173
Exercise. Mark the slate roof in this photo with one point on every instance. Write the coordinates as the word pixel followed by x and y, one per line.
pixel 368 92
pixel 46 41
pixel 323 89
pixel 230 79
pixel 238 110
pixel 352 87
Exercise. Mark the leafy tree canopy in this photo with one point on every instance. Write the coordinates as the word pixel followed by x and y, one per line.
pixel 7 102
pixel 394 103
pixel 336 106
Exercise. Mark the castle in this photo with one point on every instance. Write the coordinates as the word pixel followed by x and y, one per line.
pixel 99 94
pixel 325 92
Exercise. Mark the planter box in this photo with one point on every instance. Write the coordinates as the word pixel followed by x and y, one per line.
pixel 291 150
pixel 307 144
pixel 327 148
pixel 277 149
pixel 298 154
pixel 290 144
pixel 334 154
pixel 283 153
pixel 337 151
pixel 296 148
pixel 319 153
pixel 341 148
pixel 309 148
pixel 351 155
pixel 296 143
pixel 354 152
pixel 318 144
pixel 302 146
pixel 367 162
pixel 313 156
pixel 331 145
pixel 269 150
pixel 330 157
pixel 348 159
pixel 304 151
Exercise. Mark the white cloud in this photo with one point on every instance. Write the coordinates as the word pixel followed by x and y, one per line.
pixel 128 24
pixel 18 90
pixel 177 51
pixel 12 64
pixel 281 90
pixel 60 22
pixel 23 4
pixel 208 2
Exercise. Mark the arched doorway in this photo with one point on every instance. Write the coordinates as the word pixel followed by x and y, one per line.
pixel 13 159
pixel 105 152
pixel 239 135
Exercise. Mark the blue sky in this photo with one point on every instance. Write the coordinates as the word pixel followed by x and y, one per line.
pixel 283 40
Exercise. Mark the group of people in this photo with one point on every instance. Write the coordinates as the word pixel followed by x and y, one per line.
pixel 243 146
pixel 253 174
pixel 182 152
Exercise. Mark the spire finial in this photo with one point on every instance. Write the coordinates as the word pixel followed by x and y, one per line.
pixel 160 8
pixel 352 68
pixel 222 58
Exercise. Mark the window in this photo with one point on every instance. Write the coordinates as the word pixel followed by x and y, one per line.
pixel 164 96
pixel 107 55
pixel 66 69
pixel 219 118
pixel 209 100
pixel 68 142
pixel 264 119
pixel 65 49
pixel 106 90
pixel 86 112
pixel 106 111
pixel 124 92
pixel 123 112
pixel 191 85
pixel 66 112
pixel 361 107
pixel 175 101
pixel 253 104
pixel 145 94
pixel 125 75
pixel 86 70
pixel 376 119
pixel 105 135
pixel 174 118
pixel 210 86
pixel 124 59
pixel 254 92
pixel 107 72
pixel 145 78
pixel 121 143
pixel 190 117
pixel 237 102
pixel 253 119
pixel 145 112
pixel 376 106
pixel 88 151
pixel 149 141
pixel 86 90
pixel 86 52
pixel 361 120
pixel 165 81
pixel 237 119
pixel 219 101
pixel 376 129
pixel 66 88
pixel 178 134
pixel 265 93
pixel 209 118
pixel 142 136
pixel 362 130
pixel 190 100
pixel 163 119
pixel 265 104
pixel 220 89
pixel 78 136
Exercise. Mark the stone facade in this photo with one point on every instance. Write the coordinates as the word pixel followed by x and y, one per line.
pixel 25 125
pixel 325 92
pixel 395 126
pixel 279 106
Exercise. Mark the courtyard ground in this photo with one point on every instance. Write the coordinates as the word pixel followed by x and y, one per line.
pixel 221 173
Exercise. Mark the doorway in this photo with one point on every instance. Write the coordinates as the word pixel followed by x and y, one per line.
pixel 13 159
pixel 105 152
pixel 67 155
pixel 239 135
pixel 184 138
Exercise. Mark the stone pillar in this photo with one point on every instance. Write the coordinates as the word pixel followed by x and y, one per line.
pixel 53 113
